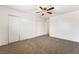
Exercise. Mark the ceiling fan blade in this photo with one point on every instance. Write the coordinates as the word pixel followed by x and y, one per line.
pixel 49 12
pixel 42 14
pixel 41 8
pixel 37 12
pixel 50 8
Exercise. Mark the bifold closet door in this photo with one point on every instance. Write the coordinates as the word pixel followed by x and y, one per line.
pixel 14 29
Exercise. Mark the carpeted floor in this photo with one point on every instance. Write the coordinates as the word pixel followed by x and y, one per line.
pixel 41 45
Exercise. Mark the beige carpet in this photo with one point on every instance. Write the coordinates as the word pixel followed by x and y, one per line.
pixel 41 45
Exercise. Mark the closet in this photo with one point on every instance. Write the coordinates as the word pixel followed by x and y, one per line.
pixel 22 28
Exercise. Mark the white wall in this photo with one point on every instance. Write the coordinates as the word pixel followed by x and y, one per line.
pixel 31 24
pixel 3 26
pixel 65 26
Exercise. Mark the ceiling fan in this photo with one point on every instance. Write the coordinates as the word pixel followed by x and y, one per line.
pixel 45 9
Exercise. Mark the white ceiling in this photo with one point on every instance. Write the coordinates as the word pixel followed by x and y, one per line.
pixel 59 9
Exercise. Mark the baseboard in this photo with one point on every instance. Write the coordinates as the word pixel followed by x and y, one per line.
pixel 64 39
pixel 25 39
pixel 37 36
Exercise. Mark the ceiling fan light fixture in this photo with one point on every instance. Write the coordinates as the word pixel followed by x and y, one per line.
pixel 45 9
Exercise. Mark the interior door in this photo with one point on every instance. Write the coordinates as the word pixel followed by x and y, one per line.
pixel 14 29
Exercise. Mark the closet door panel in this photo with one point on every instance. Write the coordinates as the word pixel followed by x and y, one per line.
pixel 14 29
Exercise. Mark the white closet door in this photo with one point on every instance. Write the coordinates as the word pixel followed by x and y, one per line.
pixel 14 29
